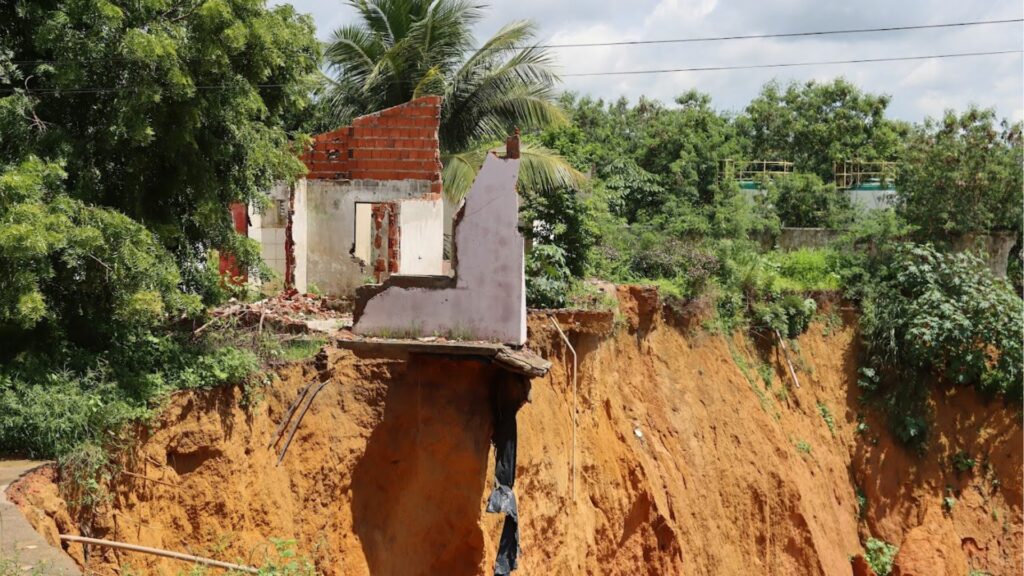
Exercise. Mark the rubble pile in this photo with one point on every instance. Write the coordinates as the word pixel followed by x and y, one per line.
pixel 290 311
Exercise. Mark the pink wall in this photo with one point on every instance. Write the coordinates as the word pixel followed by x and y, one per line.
pixel 488 300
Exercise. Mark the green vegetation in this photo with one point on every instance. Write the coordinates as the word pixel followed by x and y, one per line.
pixel 930 315
pixel 815 124
pixel 949 500
pixel 804 447
pixel 826 415
pixel 125 131
pixel 804 201
pixel 962 174
pixel 283 561
pixel 165 112
pixel 806 270
pixel 862 503
pixel 880 555
pixel 548 277
pixel 962 462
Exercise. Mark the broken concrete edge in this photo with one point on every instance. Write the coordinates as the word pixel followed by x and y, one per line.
pixel 20 540
pixel 366 292
pixel 517 361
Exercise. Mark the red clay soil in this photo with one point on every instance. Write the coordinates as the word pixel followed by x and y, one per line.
pixel 686 463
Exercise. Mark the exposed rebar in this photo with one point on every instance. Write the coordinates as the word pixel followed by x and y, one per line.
pixel 288 415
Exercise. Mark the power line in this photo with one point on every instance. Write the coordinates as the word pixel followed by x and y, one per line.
pixel 673 40
pixel 782 35
pixel 793 64
pixel 578 74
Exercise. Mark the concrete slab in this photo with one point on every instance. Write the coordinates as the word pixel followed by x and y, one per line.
pixel 519 361
pixel 21 547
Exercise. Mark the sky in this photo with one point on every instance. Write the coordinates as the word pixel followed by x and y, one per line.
pixel 918 88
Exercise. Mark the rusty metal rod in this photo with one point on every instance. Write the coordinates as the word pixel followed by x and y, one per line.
pixel 159 552
pixel 785 353
pixel 295 425
pixel 288 415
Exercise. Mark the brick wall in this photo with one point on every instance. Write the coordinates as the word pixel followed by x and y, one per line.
pixel 399 143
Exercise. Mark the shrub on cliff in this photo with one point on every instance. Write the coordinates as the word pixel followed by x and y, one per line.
pixel 933 316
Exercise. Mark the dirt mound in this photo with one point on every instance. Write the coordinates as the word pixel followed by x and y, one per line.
pixel 694 454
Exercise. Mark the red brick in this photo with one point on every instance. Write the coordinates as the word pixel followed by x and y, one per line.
pixel 407 132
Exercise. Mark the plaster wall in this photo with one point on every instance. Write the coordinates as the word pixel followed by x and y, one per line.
pixel 331 224
pixel 364 232
pixel 422 236
pixel 488 298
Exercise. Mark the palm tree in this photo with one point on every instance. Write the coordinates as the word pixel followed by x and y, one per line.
pixel 403 49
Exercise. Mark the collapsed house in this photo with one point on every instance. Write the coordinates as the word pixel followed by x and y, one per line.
pixel 368 221
pixel 370 205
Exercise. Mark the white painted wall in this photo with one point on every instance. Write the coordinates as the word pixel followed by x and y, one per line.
pixel 488 301
pixel 364 231
pixel 421 248
pixel 331 216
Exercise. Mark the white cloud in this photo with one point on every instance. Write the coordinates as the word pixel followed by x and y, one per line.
pixel 677 11
pixel 918 88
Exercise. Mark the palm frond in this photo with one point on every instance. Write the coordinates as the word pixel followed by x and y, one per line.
pixel 459 171
pixel 540 169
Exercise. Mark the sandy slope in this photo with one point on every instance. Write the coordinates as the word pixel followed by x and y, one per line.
pixel 684 465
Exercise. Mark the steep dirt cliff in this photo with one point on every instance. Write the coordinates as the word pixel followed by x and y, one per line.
pixel 694 454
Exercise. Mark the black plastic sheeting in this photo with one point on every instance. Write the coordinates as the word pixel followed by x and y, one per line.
pixel 508 398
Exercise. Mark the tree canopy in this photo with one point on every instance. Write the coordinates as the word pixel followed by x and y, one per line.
pixel 962 174
pixel 816 124
pixel 165 111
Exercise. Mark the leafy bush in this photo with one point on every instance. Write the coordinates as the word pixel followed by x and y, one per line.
pixel 85 273
pixel 547 277
pixel 53 402
pixel 790 316
pixel 880 555
pixel 962 173
pixel 863 248
pixel 933 315
pixel 688 266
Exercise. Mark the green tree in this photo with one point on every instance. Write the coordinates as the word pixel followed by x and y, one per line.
pixel 85 273
pixel 660 162
pixel 802 200
pixel 816 124
pixel 165 110
pixel 401 49
pixel 962 174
